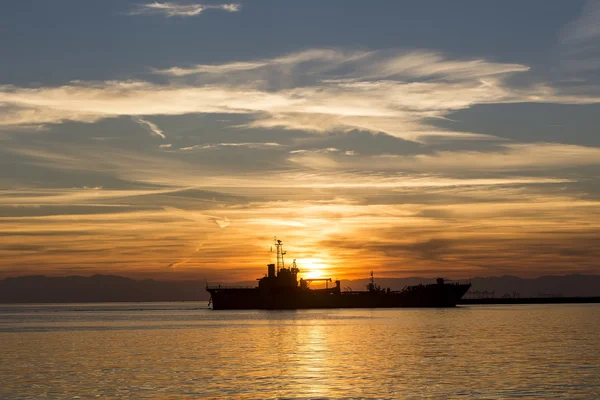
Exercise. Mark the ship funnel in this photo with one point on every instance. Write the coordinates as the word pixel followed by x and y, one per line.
pixel 271 269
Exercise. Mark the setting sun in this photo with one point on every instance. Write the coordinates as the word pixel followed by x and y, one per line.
pixel 313 268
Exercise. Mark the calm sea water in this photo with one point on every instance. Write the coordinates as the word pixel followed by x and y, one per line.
pixel 183 350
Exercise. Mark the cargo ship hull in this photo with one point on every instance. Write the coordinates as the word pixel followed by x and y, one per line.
pixel 435 295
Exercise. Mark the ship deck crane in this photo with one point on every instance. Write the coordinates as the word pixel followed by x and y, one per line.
pixel 326 280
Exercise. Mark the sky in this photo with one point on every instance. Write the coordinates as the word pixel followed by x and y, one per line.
pixel 175 140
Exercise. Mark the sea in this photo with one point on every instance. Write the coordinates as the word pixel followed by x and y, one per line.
pixel 186 350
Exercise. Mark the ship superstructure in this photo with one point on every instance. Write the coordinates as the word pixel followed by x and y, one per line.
pixel 280 289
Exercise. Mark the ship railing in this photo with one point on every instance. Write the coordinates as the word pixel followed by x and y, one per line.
pixel 458 281
pixel 229 287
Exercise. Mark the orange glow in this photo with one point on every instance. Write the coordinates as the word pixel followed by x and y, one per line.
pixel 338 239
pixel 313 268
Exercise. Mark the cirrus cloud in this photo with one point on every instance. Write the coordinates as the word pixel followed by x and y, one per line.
pixel 397 93
pixel 150 126
pixel 170 9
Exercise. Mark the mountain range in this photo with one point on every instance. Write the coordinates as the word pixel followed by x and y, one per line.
pixel 112 288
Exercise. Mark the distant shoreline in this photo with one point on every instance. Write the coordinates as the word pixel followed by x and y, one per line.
pixel 39 289
pixel 463 302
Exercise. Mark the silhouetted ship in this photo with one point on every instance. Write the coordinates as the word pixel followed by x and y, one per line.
pixel 280 289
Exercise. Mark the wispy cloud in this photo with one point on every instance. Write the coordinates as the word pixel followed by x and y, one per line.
pixel 176 264
pixel 516 156
pixel 211 69
pixel 362 65
pixel 375 91
pixel 326 150
pixel 319 60
pixel 248 145
pixel 221 222
pixel 500 157
pixel 586 26
pixel 307 169
pixel 73 196
pixel 149 126
pixel 579 43
pixel 170 9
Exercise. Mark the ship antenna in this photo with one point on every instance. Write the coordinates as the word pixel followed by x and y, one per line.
pixel 280 254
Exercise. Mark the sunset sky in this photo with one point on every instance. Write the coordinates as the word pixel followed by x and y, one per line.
pixel 173 140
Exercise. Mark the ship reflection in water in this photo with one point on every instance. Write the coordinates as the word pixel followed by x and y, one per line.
pixel 280 289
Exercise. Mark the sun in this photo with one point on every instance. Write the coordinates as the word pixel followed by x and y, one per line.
pixel 312 268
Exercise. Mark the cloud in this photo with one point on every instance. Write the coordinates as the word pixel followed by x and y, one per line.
pixel 421 64
pixel 74 196
pixel 306 169
pixel 314 161
pixel 363 65
pixel 579 44
pixel 329 180
pixel 211 69
pixel 170 9
pixel 326 150
pixel 320 91
pixel 241 144
pixel 511 157
pixel 165 146
pixel 586 27
pixel 496 157
pixel 149 126
pixel 91 102
pixel 176 264
pixel 222 222
pixel 311 61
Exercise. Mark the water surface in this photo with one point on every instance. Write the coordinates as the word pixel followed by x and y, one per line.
pixel 179 350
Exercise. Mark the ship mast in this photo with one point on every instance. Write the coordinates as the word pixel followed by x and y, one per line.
pixel 280 254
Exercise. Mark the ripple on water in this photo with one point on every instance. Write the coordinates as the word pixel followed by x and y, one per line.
pixel 176 350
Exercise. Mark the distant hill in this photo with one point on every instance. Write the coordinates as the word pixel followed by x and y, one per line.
pixel 111 288
pixel 544 286
pixel 97 288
